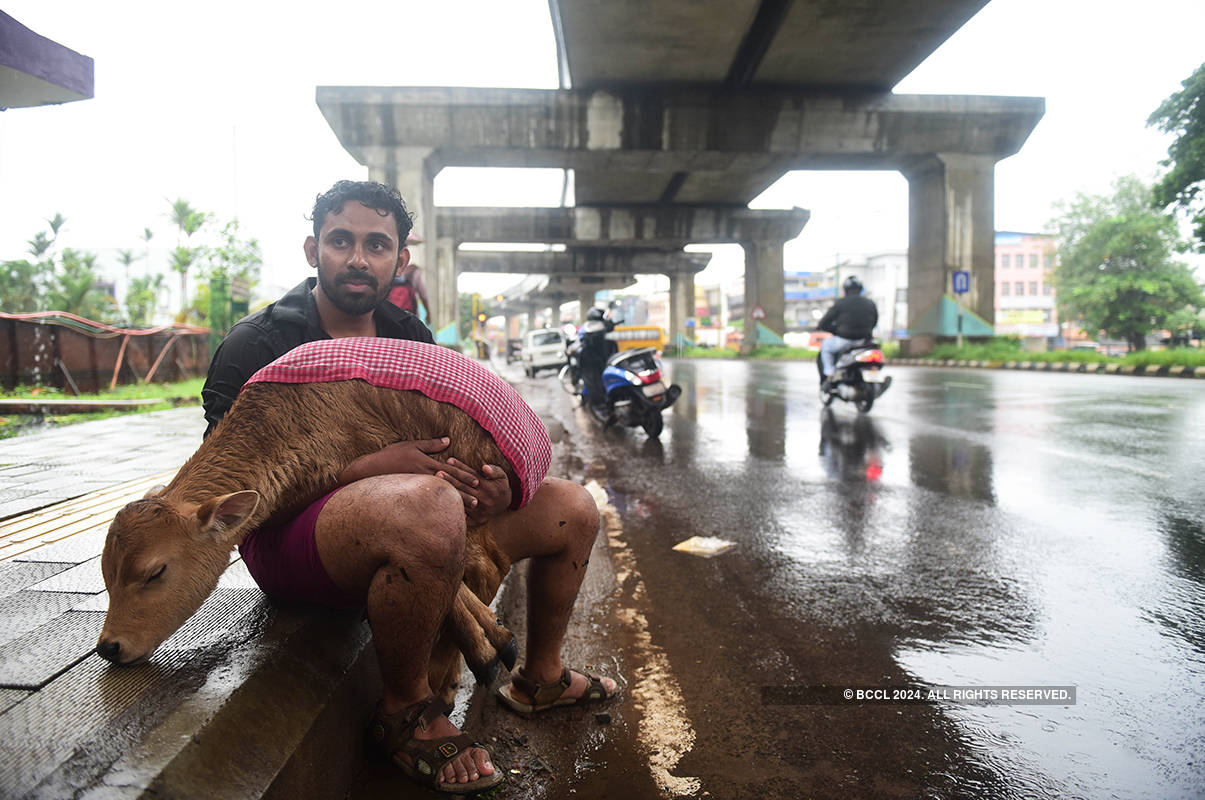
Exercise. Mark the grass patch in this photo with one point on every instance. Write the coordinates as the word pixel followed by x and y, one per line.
pixel 1006 349
pixel 172 394
pixel 1181 356
pixel 190 388
pixel 706 352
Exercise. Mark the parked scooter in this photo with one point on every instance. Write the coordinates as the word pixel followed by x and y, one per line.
pixel 857 377
pixel 633 391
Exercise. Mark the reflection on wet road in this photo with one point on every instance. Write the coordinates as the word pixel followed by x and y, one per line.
pixel 977 528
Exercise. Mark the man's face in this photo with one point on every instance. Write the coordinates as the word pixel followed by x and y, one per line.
pixel 357 254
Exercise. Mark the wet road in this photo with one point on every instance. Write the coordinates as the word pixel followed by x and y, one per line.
pixel 976 529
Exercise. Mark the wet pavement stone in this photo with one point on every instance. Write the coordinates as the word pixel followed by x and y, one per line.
pixel 41 468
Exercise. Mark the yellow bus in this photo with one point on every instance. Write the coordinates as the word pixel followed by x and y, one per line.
pixel 630 337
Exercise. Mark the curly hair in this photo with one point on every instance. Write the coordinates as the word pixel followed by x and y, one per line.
pixel 385 200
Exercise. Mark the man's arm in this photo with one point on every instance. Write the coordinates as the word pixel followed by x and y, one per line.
pixel 829 321
pixel 240 355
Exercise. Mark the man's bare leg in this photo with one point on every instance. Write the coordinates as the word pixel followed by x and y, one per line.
pixel 556 530
pixel 399 540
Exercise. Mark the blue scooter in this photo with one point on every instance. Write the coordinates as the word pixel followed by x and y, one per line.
pixel 634 392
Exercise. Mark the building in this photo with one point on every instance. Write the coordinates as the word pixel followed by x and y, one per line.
pixel 806 296
pixel 1025 298
pixel 884 277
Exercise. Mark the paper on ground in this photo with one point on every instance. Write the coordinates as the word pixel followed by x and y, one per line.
pixel 705 546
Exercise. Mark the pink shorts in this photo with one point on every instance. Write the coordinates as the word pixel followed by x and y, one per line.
pixel 283 560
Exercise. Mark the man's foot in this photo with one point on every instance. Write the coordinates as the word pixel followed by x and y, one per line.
pixel 430 749
pixel 571 688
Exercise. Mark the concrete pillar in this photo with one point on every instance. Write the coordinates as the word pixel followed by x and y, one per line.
pixel 951 226
pixel 681 304
pixel 443 294
pixel 586 298
pixel 764 287
pixel 412 171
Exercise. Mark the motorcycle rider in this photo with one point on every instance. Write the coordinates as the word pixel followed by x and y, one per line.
pixel 851 318
pixel 596 349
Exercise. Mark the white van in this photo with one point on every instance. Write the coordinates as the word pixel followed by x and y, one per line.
pixel 543 349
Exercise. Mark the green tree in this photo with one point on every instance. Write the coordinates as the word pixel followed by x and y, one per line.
pixel 182 259
pixel 1115 270
pixel 1183 114
pixel 142 295
pixel 188 222
pixel 67 281
pixel 21 286
pixel 75 287
pixel 235 257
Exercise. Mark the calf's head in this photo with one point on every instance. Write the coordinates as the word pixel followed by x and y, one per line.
pixel 161 560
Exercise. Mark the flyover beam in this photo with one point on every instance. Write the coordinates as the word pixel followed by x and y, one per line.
pixel 581 261
pixel 650 227
pixel 671 130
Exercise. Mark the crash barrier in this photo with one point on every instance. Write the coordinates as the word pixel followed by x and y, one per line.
pixel 1094 368
pixel 69 352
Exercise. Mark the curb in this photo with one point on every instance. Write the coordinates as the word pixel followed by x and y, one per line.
pixel 1151 371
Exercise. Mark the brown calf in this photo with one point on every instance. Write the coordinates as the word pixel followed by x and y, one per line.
pixel 280 447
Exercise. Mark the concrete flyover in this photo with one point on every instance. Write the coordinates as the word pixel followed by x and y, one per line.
pixel 580 272
pixel 699 105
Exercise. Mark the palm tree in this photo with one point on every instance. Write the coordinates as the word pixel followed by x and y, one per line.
pixel 182 260
pixel 187 221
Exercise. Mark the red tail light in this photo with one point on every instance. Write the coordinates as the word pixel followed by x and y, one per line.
pixel 870 357
pixel 874 470
pixel 650 376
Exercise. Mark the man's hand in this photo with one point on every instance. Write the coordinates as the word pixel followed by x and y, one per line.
pixel 486 494
pixel 411 458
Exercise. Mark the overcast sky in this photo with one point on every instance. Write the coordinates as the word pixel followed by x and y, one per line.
pixel 214 103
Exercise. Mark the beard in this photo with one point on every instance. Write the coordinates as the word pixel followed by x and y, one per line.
pixel 349 302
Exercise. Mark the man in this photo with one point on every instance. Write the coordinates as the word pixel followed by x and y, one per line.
pixel 851 318
pixel 402 511
pixel 409 287
pixel 596 349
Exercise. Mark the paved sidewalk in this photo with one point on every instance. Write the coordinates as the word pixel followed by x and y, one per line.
pixel 40 469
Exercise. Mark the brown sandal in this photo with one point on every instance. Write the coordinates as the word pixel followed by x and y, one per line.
pixel 391 733
pixel 549 695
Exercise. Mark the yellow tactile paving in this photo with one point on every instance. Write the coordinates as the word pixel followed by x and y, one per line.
pixel 51 524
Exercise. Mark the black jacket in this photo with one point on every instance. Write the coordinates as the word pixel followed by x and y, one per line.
pixel 260 338
pixel 852 317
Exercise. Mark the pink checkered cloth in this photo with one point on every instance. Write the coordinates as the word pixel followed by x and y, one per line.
pixel 438 373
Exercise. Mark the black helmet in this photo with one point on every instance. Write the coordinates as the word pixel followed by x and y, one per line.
pixel 852 285
pixel 595 313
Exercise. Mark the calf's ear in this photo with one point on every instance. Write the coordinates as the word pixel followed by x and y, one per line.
pixel 223 516
pixel 154 490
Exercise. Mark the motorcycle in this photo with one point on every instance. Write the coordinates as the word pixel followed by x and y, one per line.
pixel 634 393
pixel 857 377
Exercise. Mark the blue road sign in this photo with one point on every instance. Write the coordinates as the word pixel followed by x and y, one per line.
pixel 962 281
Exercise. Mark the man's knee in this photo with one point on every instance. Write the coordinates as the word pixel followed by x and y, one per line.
pixel 413 516
pixel 575 507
